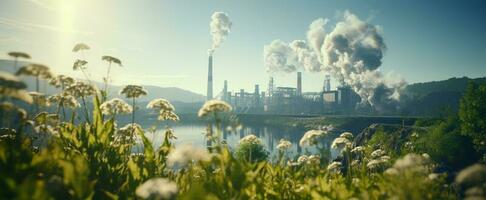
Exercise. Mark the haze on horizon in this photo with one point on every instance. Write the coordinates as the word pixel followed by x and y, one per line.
pixel 165 43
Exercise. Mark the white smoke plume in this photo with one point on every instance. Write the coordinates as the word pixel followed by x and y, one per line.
pixel 352 53
pixel 220 27
pixel 278 56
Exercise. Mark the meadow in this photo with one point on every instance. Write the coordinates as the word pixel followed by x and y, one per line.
pixel 86 154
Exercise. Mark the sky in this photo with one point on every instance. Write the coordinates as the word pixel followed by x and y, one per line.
pixel 165 43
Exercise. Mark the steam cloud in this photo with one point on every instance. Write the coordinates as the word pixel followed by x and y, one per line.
pixel 351 53
pixel 220 27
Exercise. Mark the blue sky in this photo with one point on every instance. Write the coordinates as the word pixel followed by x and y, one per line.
pixel 165 43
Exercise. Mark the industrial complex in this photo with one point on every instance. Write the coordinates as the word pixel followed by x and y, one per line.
pixel 286 100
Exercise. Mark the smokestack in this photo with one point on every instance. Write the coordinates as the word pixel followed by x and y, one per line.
pixel 270 87
pixel 210 78
pixel 299 83
pixel 225 91
pixel 327 83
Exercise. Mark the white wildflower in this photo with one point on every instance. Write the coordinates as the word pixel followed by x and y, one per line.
pixel 214 106
pixel 127 134
pixel 39 98
pixel 347 135
pixel 37 70
pixel 185 154
pixel 157 188
pixel 377 153
pixel 358 149
pixel 133 91
pixel 167 115
pixel 302 159
pixel 412 162
pixel 81 89
pixel 160 105
pixel 115 106
pixel 340 143
pixel 314 160
pixel 63 99
pixel 61 81
pixel 11 86
pixel 310 137
pixel 284 145
pixel 334 167
pixel 250 139
pixel 474 175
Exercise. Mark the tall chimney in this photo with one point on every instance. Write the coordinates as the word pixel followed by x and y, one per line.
pixel 299 83
pixel 327 83
pixel 225 91
pixel 210 78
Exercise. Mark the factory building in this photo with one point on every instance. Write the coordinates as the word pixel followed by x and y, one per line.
pixel 291 100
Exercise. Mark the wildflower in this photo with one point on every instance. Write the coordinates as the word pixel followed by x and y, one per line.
pixel 37 70
pixel 81 89
pixel 391 171
pixel 346 135
pixel 377 153
pixel 334 167
pixel 11 86
pixel 374 164
pixel 115 106
pixel 167 115
pixel 433 176
pixel 302 159
pixel 327 128
pixel 61 81
pixel 185 154
pixel 314 160
pixel 64 99
pixel 284 145
pixel 358 149
pixel 340 143
pixel 160 105
pixel 214 106
pixel 127 134
pixel 170 133
pixel 250 139
pixel 80 47
pixel 157 188
pixel 378 163
pixel 474 175
pixel 133 91
pixel 39 98
pixel 79 65
pixel 310 137
pixel 411 162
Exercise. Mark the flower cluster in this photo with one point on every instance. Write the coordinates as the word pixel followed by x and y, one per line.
pixel 81 89
pixel 185 154
pixel 310 137
pixel 37 70
pixel 127 134
pixel 61 81
pixel 133 91
pixel 379 160
pixel 284 144
pixel 11 86
pixel 334 167
pixel 165 109
pixel 63 99
pixel 39 98
pixel 250 139
pixel 115 106
pixel 309 160
pixel 471 181
pixel 214 106
pixel 411 162
pixel 157 188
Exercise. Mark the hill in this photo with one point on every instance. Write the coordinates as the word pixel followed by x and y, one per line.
pixel 172 94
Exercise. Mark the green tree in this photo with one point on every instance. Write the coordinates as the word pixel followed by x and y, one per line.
pixel 472 115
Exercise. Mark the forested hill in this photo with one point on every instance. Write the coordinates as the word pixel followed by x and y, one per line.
pixel 421 90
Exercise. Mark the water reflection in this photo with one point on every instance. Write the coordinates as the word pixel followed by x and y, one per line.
pixel 270 136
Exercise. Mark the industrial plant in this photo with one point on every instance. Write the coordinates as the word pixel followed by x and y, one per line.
pixel 286 100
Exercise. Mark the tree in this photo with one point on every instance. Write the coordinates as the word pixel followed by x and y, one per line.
pixel 472 114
